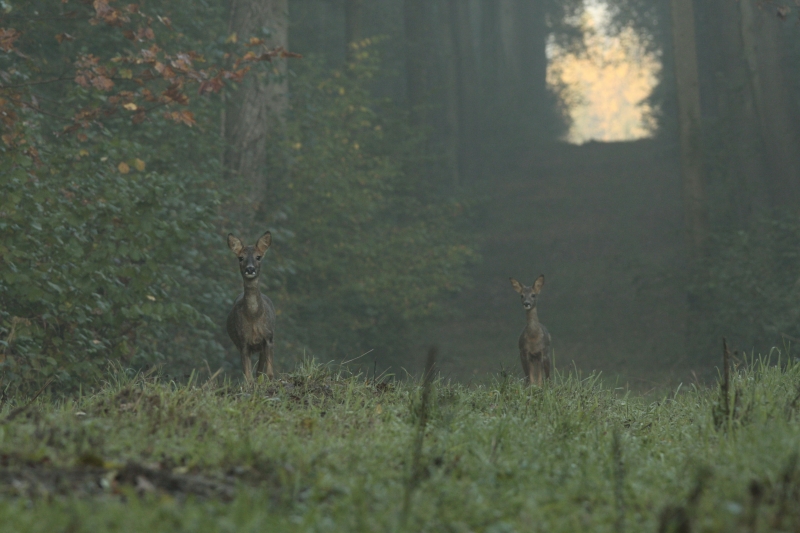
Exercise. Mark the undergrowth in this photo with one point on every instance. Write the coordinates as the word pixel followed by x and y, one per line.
pixel 323 450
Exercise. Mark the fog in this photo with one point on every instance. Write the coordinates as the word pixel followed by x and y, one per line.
pixel 569 144
pixel 408 158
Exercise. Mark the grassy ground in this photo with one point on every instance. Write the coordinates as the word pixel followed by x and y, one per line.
pixel 317 451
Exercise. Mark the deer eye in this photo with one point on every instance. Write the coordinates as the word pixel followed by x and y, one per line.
pixel 241 259
pixel 258 258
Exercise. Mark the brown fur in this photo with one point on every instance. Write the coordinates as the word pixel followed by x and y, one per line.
pixel 534 342
pixel 251 322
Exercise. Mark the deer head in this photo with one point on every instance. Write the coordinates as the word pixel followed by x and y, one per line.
pixel 528 294
pixel 250 256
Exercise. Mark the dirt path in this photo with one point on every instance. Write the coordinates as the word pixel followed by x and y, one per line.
pixel 603 223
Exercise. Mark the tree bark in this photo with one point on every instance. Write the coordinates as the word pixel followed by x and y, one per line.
pixel 452 128
pixel 353 27
pixel 417 52
pixel 466 85
pixel 536 102
pixel 773 104
pixel 256 108
pixel 689 124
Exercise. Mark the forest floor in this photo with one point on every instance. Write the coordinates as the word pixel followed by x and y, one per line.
pixel 320 451
pixel 603 222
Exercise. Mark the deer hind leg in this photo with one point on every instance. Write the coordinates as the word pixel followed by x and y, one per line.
pixel 265 360
pixel 546 366
pixel 246 365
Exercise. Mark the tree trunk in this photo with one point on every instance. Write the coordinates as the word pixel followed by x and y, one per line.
pixel 466 85
pixel 773 104
pixel 689 125
pixel 452 128
pixel 536 102
pixel 490 49
pixel 417 53
pixel 353 26
pixel 256 109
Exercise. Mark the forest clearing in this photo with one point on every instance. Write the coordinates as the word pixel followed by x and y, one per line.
pixel 321 450
pixel 391 176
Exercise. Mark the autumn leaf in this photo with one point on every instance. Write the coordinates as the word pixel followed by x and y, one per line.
pixel 7 38
pixel 214 85
pixel 123 168
pixel 131 106
pixel 181 117
pixel 103 83
pixel 139 164
pixel 232 38
pixel 61 37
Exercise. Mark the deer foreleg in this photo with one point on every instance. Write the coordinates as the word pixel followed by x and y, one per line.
pixel 526 366
pixel 265 360
pixel 537 364
pixel 246 365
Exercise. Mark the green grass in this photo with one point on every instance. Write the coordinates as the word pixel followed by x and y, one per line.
pixel 324 451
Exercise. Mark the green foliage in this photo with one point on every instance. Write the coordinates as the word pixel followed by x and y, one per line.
pixel 90 257
pixel 750 287
pixel 326 451
pixel 371 246
pixel 112 228
pixel 110 238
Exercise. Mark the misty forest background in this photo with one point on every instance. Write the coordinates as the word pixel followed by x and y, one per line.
pixel 417 155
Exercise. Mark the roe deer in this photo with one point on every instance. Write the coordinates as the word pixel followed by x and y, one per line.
pixel 251 322
pixel 534 343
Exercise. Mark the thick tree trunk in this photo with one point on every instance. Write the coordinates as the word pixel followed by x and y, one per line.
pixel 773 104
pixel 689 124
pixel 738 117
pixel 256 109
pixel 530 31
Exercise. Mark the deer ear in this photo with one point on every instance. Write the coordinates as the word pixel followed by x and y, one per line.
pixel 264 242
pixel 538 284
pixel 516 284
pixel 234 244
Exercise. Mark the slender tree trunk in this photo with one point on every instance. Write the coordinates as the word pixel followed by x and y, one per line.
pixel 353 27
pixel 689 124
pixel 256 109
pixel 417 53
pixel 490 55
pixel 452 130
pixel 467 85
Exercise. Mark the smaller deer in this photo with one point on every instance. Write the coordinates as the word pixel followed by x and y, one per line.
pixel 534 342
pixel 251 322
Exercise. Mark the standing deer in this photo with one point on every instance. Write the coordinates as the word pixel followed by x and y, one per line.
pixel 251 322
pixel 534 342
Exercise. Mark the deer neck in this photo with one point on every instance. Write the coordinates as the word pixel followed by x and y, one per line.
pixel 252 297
pixel 533 319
